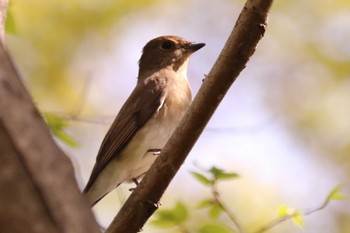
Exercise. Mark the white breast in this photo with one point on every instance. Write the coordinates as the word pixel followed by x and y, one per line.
pixel 135 159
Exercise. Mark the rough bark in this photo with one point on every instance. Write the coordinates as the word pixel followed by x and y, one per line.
pixel 38 191
pixel 240 46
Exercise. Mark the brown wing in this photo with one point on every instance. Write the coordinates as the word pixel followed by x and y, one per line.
pixel 137 110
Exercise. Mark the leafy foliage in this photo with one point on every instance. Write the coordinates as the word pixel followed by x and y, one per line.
pixel 220 174
pixel 171 217
pixel 298 220
pixel 297 216
pixel 58 126
pixel 335 194
pixel 10 26
pixel 214 174
pixel 178 216
pixel 214 228
pixel 201 178
pixel 215 211
pixel 283 211
pixel 49 64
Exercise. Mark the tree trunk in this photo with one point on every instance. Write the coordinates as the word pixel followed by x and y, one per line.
pixel 38 191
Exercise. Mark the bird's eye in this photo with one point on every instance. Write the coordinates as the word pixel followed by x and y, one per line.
pixel 167 45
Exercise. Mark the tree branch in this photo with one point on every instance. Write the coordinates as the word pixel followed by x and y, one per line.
pixel 240 46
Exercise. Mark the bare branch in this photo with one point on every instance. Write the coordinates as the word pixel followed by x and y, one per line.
pixel 249 29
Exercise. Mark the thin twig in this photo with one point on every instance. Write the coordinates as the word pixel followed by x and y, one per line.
pixel 80 104
pixel 277 221
pixel 228 212
pixel 273 223
pixel 92 120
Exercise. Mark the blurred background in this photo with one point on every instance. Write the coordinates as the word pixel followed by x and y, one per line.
pixel 283 127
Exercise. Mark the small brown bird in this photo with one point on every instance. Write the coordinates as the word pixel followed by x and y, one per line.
pixel 148 117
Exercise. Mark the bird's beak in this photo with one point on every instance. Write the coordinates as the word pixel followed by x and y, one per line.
pixel 195 47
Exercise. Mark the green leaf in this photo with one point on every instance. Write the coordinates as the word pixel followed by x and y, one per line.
pixel 65 138
pixel 215 211
pixel 284 211
pixel 226 176
pixel 180 212
pixel 335 194
pixel 205 203
pixel 216 171
pixel 164 218
pixel 220 174
pixel 10 25
pixel 171 217
pixel 58 125
pixel 201 178
pixel 214 228
pixel 298 220
pixel 163 223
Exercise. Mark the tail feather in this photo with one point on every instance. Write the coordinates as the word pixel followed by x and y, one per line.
pixel 109 178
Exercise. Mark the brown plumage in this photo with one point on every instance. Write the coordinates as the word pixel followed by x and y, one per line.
pixel 148 117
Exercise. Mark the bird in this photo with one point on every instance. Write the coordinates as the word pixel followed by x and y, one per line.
pixel 148 117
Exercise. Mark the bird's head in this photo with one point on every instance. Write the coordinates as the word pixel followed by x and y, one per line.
pixel 167 51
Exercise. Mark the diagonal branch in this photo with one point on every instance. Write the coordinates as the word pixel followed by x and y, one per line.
pixel 240 46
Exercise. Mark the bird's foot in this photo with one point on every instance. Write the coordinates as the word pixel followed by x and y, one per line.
pixel 136 182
